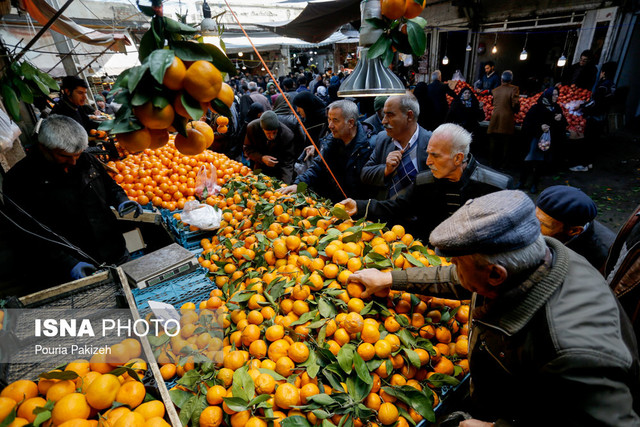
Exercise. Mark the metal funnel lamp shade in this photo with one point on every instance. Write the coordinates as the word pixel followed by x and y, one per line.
pixel 370 77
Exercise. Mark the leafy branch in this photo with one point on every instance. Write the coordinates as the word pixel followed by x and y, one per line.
pixel 402 35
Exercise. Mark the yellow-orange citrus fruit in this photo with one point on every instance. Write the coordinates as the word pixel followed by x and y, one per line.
pixel 412 10
pixel 153 117
pixel 226 95
pixel 102 391
pixel 203 81
pixel 287 395
pixel 199 137
pixel 159 138
pixel 174 75
pixel 20 390
pixel 388 413
pixel 71 406
pixel 135 141
pixel 26 408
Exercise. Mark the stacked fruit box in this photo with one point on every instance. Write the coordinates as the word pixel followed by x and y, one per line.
pixel 284 337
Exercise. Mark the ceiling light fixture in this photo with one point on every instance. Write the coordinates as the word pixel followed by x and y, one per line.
pixel 524 54
pixel 494 49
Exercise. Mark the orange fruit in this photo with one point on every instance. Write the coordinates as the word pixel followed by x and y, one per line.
pixel 265 384
pixel 388 413
pixel 199 137
pixel 370 333
pixel 383 349
pixel 73 405
pixel 20 390
pixel 354 323
pixel 158 422
pixel 153 117
pixel 135 141
pixel 102 391
pixel 240 419
pixel 151 409
pixel 412 10
pixel 256 422
pixel 215 394
pixel 287 395
pixel 7 405
pixel 308 390
pixel 174 75
pixel 211 416
pixel 26 408
pixel 226 96
pixel 298 352
pixel 168 371
pixel 284 366
pixel 60 390
pixel 274 332
pixel 444 366
pixel 130 419
pixel 203 81
pixel 367 351
pixel 462 315
pixel 131 393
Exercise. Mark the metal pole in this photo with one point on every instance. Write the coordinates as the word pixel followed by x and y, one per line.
pixel 43 29
pixel 96 58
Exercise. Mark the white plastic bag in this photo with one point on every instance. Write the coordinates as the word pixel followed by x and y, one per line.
pixel 458 76
pixel 203 216
pixel 9 132
pixel 206 181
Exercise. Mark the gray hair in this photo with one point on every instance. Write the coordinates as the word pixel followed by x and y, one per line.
pixel 349 109
pixel 518 260
pixel 408 102
pixel 63 133
pixel 458 136
pixel 253 86
pixel 436 75
pixel 507 76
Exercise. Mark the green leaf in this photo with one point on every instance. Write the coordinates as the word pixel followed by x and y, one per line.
pixel 417 38
pixel 340 213
pixel 147 45
pixel 420 21
pixel 140 97
pixel 321 399
pixel 237 404
pixel 374 227
pixel 220 60
pixel 321 414
pixel 302 187
pixel 243 385
pixel 64 375
pixel 220 107
pixel 187 410
pixel 189 51
pixel 412 260
pixel 47 80
pixel 135 75
pixel 355 237
pixel 305 318
pixel 361 369
pixel 295 421
pixel 327 423
pixel 345 358
pixel 377 23
pixel 326 308
pixel 200 405
pixel 413 357
pixel 180 397
pixel 438 380
pixel 276 376
pixel 259 399
pixel 379 47
pixel 388 57
pixel 11 102
pixel 173 26
pixel 43 413
pixel 406 338
pixel 9 418
pixel 43 88
pixel 159 60
pixel 147 11
pixel 28 70
pixel 160 101
pixel 25 92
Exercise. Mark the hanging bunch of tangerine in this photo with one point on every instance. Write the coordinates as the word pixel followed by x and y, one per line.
pixel 171 90
pixel 301 346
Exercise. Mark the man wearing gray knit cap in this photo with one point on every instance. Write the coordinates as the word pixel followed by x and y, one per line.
pixel 548 343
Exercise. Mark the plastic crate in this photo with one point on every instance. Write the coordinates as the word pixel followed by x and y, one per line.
pixel 447 395
pixel 193 287
pixel 187 239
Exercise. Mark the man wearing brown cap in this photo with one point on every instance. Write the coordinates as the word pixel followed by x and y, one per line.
pixel 269 145
pixel 548 343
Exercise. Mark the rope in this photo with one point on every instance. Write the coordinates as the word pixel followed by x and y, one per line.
pixel 275 81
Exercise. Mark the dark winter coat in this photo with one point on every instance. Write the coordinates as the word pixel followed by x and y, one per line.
pixel 257 145
pixel 65 108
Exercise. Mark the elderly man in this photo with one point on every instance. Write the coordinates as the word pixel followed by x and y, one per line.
pixel 548 343
pixel 502 125
pixel 345 152
pixel 400 155
pixel 454 177
pixel 74 97
pixel 567 214
pixel 258 97
pixel 437 100
pixel 71 193
pixel 269 145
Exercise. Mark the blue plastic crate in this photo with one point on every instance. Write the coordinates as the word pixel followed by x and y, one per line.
pixel 193 287
pixel 185 238
pixel 445 391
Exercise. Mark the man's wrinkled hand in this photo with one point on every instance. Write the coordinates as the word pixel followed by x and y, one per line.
pixel 474 423
pixel 289 189
pixel 269 161
pixel 373 280
pixel 309 152
pixel 350 206
pixel 393 161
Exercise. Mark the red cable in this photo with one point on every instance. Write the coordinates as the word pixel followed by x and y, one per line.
pixel 275 81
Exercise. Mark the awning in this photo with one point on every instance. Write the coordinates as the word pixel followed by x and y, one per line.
pixel 269 41
pixel 42 12
pixel 119 62
pixel 318 20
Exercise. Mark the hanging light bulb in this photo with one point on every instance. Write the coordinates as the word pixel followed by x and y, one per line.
pixel 523 55
pixel 562 61
pixel 244 67
pixel 261 68
pixel 240 54
pixel 294 55
pixel 468 49
pixel 445 60
pixel 494 50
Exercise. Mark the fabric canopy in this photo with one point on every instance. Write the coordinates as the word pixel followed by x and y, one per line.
pixel 42 12
pixel 270 41
pixel 318 20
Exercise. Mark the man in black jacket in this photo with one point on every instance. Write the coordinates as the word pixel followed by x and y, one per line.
pixel 399 155
pixel 454 177
pixel 74 97
pixel 345 152
pixel 569 215
pixel 70 192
